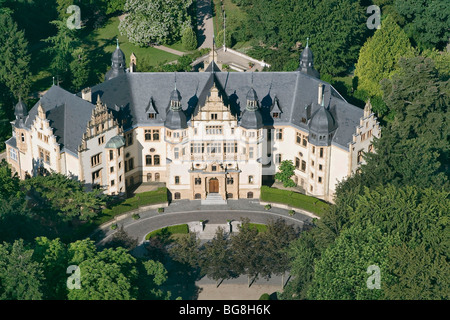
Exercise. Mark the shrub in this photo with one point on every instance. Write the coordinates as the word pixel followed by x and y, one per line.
pixel 291 212
pixel 267 207
pixel 114 226
pixel 160 210
pixel 264 296
pixel 135 216
pixel 189 39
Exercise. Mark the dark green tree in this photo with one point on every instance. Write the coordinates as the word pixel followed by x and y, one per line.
pixel 14 57
pixel 20 277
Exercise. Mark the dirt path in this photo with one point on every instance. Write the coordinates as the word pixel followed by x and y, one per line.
pixel 234 291
pixel 205 24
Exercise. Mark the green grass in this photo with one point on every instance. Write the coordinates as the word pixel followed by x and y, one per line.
pixel 139 200
pixel 167 232
pixel 293 199
pixel 233 13
pixel 259 227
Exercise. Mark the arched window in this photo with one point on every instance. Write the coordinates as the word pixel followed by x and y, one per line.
pixel 148 160
pixel 157 177
pixel 149 177
pixel 156 160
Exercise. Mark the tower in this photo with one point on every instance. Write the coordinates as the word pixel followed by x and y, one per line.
pixel 307 62
pixel 117 64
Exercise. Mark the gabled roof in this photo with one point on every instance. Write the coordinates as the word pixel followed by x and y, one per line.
pixel 68 115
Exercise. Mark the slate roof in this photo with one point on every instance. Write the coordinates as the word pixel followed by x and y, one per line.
pixel 129 95
pixel 68 115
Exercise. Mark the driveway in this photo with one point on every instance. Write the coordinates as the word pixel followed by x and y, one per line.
pixel 185 211
pixel 205 24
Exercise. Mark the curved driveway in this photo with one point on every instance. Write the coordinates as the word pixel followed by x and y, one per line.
pixel 190 211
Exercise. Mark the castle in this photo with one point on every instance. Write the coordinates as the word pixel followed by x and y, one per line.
pixel 200 133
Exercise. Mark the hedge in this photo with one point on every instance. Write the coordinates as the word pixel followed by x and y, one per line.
pixel 133 203
pixel 293 199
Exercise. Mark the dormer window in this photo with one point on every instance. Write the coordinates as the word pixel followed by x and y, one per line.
pixel 275 115
pixel 152 115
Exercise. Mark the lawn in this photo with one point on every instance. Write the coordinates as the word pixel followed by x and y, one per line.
pixel 293 199
pixel 139 200
pixel 169 232
pixel 234 15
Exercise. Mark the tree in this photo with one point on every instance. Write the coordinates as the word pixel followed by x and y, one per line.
pixel 341 272
pixel 155 21
pixel 79 68
pixel 189 39
pixel 20 277
pixel 275 240
pixel 286 172
pixel 109 274
pixel 426 22
pixel 216 262
pixel 246 250
pixel 14 57
pixel 58 196
pixel 52 255
pixel 379 56
pixel 61 47
pixel 152 275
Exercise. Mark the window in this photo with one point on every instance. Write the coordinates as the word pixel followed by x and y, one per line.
pixel 278 158
pixel 177 180
pixel 198 181
pixel 197 196
pixel 152 115
pixel 214 130
pixel 101 140
pixel 360 156
pixel 129 139
pixel 40 135
pixel 320 167
pixel 149 177
pixel 148 135
pixel 156 135
pixel 96 175
pixel 213 116
pixel 250 179
pixel 250 152
pixel 148 160
pixel 279 134
pixel 176 153
pixel 312 175
pixel 298 138
pixel 197 148
pixel 321 153
pixel 177 196
pixel 370 148
pixel 111 155
pixel 313 150
pixel 363 137
pixel 230 147
pixel 111 169
pixel 311 188
pixel 250 195
pixel 229 196
pixel 129 165
pixel 319 179
pixel 305 141
pixel 45 138
pixel 214 147
pixel 96 160
pixel 369 133
pixel 13 154
pixel 312 163
pixel 213 168
pixel 156 160
pixel 303 168
pixel 297 162
pixel 303 120
pixel 275 115
pixel 230 180
pixel 112 183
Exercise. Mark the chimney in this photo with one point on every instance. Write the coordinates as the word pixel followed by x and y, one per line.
pixel 133 61
pixel 86 94
pixel 320 94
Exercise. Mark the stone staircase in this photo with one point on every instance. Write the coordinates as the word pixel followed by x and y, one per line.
pixel 213 199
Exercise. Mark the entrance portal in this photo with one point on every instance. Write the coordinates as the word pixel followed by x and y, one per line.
pixel 213 185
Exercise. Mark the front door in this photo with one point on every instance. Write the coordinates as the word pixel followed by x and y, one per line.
pixel 214 186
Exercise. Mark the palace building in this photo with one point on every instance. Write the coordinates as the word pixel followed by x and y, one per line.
pixel 203 134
